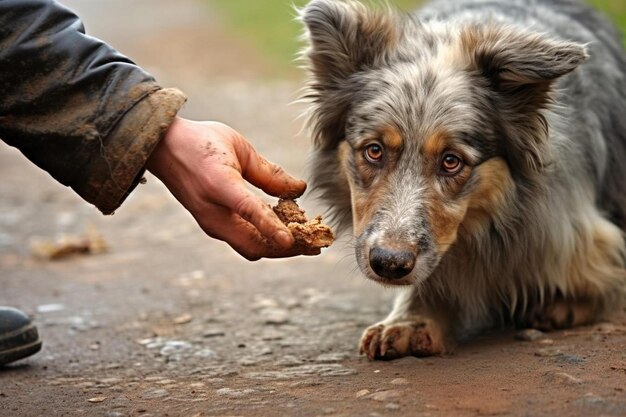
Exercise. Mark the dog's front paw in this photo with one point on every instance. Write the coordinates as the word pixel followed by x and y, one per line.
pixel 409 337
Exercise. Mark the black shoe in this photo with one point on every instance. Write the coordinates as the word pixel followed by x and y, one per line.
pixel 18 336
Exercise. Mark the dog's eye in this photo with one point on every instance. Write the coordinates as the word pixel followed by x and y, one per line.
pixel 451 164
pixel 374 153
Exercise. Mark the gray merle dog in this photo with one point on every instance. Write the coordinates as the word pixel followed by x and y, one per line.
pixel 477 150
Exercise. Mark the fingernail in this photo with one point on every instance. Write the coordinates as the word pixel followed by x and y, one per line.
pixel 284 239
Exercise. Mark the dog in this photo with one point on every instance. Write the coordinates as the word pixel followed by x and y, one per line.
pixel 477 151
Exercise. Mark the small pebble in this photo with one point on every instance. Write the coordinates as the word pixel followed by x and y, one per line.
pixel 97 399
pixel 166 382
pixel 289 360
pixel 50 308
pixel 300 384
pixel 529 335
pixel 264 303
pixel 362 393
pixel 174 347
pixel 183 319
pixel 400 381
pixel 408 361
pixel 249 361
pixel 205 353
pixel 563 378
pixel 302 371
pixel 384 396
pixel 590 400
pixel 213 333
pixel 571 359
pixel 234 393
pixel 548 352
pixel 155 393
pixel 392 406
pixel 265 351
pixel 331 357
pixel 110 381
pixel 275 316
pixel 272 335
pixel 153 378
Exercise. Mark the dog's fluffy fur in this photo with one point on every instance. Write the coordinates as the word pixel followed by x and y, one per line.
pixel 477 150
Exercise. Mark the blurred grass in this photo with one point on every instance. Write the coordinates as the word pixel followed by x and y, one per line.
pixel 615 9
pixel 271 26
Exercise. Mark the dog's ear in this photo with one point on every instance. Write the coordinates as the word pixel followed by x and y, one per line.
pixel 521 68
pixel 511 58
pixel 344 37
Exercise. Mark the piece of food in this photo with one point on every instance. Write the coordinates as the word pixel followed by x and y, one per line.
pixel 91 243
pixel 309 234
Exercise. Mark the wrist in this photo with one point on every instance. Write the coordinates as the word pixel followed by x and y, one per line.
pixel 160 153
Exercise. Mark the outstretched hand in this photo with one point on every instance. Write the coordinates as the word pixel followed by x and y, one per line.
pixel 205 165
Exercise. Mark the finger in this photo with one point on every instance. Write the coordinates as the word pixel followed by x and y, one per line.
pixel 252 209
pixel 258 217
pixel 243 237
pixel 268 176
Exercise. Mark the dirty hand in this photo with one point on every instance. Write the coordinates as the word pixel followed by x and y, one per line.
pixel 204 165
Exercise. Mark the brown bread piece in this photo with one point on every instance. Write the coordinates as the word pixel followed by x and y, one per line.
pixel 309 234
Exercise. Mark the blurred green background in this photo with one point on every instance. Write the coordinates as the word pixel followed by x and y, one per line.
pixel 615 9
pixel 271 26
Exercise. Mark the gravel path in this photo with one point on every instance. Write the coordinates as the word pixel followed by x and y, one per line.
pixel 170 323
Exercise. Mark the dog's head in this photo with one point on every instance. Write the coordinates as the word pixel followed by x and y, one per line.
pixel 429 126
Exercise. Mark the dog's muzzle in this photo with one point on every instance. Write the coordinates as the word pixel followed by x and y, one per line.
pixel 392 263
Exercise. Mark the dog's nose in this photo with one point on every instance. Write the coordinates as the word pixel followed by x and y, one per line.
pixel 391 263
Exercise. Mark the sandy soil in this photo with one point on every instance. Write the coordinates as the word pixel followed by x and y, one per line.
pixel 170 323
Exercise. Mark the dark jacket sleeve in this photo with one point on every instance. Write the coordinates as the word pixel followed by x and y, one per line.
pixel 74 106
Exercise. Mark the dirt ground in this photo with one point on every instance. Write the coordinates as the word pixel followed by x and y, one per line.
pixel 170 323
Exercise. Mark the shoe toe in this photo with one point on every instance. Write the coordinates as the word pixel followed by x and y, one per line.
pixel 19 337
pixel 12 319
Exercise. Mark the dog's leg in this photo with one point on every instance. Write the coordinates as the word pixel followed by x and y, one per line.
pixel 563 313
pixel 410 329
pixel 595 285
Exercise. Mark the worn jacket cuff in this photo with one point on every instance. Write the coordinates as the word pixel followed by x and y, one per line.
pixel 117 169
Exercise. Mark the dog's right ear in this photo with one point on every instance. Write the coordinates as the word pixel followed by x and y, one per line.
pixel 344 38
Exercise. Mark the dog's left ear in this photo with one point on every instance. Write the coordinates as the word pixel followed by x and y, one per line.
pixel 511 58
pixel 344 37
pixel 521 69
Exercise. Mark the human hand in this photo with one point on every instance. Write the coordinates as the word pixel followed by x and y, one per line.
pixel 205 166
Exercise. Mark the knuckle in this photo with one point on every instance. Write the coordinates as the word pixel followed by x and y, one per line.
pixel 276 170
pixel 246 208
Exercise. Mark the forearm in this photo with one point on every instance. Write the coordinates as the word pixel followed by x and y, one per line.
pixel 73 105
pixel 113 172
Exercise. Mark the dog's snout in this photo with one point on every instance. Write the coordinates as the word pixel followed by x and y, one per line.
pixel 392 263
